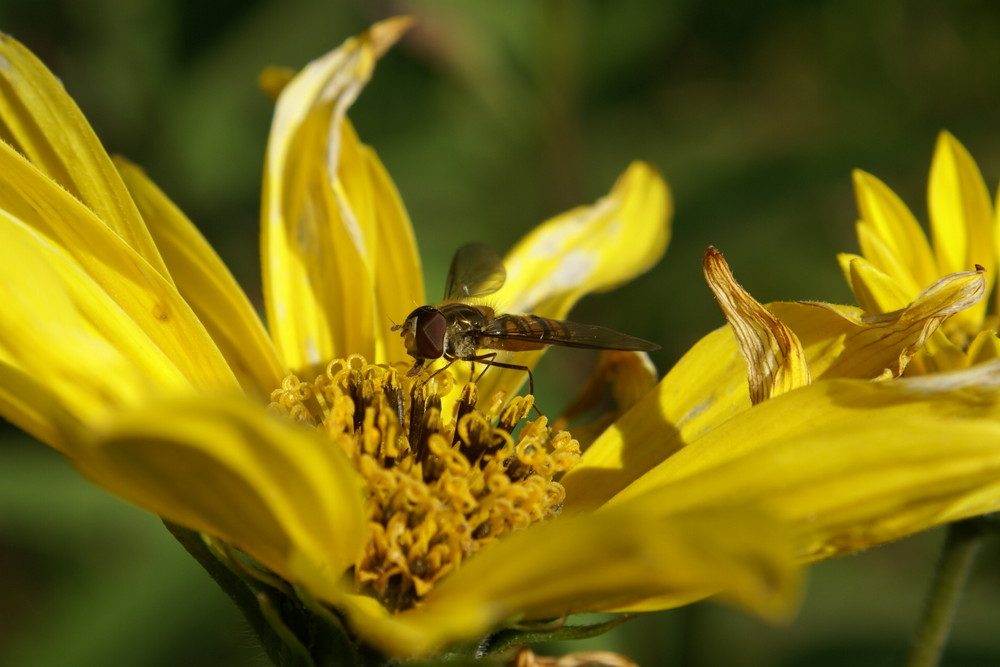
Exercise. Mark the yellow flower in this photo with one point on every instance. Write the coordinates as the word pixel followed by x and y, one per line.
pixel 127 345
pixel 897 261
pixel 430 512
pixel 796 408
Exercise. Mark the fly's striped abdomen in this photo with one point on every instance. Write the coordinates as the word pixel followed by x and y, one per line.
pixel 531 332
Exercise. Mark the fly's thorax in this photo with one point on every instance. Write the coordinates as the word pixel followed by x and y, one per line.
pixel 466 323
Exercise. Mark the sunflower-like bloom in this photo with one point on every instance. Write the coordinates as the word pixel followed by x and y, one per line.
pixel 423 512
pixel 828 437
pixel 897 261
pixel 420 512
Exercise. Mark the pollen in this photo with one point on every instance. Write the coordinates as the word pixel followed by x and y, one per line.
pixel 439 487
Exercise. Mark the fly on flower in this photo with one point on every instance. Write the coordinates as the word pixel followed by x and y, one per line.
pixel 458 329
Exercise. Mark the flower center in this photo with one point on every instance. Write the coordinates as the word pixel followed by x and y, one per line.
pixel 439 487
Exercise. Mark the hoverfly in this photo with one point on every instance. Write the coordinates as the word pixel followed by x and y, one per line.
pixel 458 330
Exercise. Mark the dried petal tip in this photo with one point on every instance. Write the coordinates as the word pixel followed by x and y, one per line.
pixel 775 359
pixel 439 487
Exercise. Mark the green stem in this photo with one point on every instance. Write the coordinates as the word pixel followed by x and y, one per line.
pixel 957 555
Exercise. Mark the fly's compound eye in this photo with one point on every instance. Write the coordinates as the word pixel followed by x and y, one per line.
pixel 425 331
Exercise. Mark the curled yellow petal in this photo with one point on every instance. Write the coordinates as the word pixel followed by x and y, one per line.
pixel 587 249
pixel 947 298
pixel 287 497
pixel 841 341
pixel 774 356
pixel 339 260
pixel 590 248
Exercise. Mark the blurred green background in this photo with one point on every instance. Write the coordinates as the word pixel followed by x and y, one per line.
pixel 492 116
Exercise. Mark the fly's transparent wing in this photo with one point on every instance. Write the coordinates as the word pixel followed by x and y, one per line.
pixel 531 332
pixel 476 270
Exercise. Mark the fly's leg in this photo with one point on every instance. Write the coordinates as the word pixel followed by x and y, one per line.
pixel 489 359
pixel 450 361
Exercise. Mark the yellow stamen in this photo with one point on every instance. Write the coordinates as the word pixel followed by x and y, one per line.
pixel 439 488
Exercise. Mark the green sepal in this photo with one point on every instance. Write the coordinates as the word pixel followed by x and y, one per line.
pixel 504 640
pixel 331 633
pixel 293 631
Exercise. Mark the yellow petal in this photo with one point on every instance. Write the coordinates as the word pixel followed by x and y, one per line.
pixel 331 220
pixel 208 286
pixel 960 209
pixel 996 242
pixel 841 341
pixel 619 557
pixel 858 485
pixel 907 256
pixel 588 249
pixel 600 561
pixel 38 212
pixel 399 282
pixel 775 360
pixel 705 388
pixel 844 418
pixel 708 386
pixel 34 408
pixel 961 218
pixel 43 123
pixel 64 332
pixel 876 251
pixel 876 291
pixel 287 497
pixel 985 347
pixel 630 376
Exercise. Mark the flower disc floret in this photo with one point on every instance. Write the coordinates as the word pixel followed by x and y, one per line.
pixel 438 489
